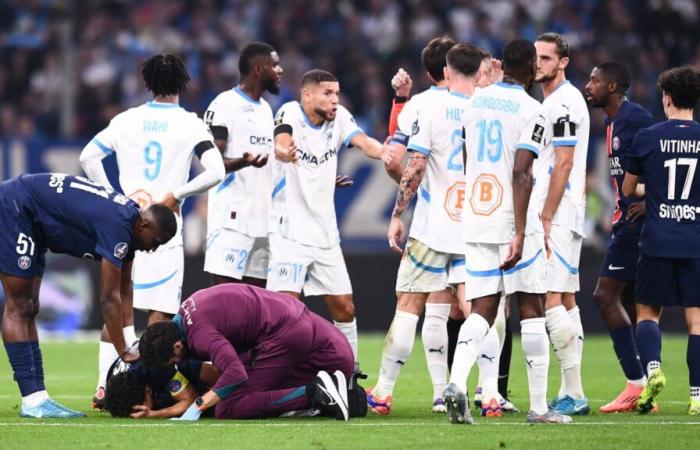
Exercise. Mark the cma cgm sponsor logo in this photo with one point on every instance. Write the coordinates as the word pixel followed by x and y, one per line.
pixel 317 160
pixel 260 140
pixel 24 262
pixel 120 250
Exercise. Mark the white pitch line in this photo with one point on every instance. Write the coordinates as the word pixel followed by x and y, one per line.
pixel 306 424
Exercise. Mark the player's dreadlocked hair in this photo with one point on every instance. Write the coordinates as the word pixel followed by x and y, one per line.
pixel 165 75
pixel 434 56
pixel 682 84
pixel 156 343
pixel 617 72
pixel 124 390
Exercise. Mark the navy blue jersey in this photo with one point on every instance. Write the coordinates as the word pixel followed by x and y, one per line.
pixel 620 131
pixel 666 155
pixel 76 216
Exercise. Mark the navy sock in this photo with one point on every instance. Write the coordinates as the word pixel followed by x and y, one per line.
pixel 22 361
pixel 626 351
pixel 693 359
pixel 649 341
pixel 38 366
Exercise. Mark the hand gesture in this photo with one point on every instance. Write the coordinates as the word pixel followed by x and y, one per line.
pixel 401 83
pixel 515 252
pixel 288 154
pixel 171 202
pixel 254 160
pixel 395 234
pixel 636 210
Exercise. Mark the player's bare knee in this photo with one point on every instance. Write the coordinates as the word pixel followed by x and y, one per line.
pixel 25 309
pixel 603 299
pixel 411 302
pixel 344 312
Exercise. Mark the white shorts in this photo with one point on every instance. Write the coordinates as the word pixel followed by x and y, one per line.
pixel 236 255
pixel 562 263
pixel 157 279
pixel 317 271
pixel 426 270
pixel 483 277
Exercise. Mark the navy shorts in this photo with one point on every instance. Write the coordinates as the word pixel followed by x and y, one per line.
pixel 668 281
pixel 621 257
pixel 21 246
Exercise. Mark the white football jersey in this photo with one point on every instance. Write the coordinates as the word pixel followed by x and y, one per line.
pixel 500 119
pixel 568 124
pixel 302 197
pixel 241 201
pixel 437 133
pixel 409 113
pixel 154 144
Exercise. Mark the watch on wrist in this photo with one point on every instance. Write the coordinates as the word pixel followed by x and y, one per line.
pixel 199 401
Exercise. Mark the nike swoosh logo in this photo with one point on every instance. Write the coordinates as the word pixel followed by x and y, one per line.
pixel 611 267
pixel 579 408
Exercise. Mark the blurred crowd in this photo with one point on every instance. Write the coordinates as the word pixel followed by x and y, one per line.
pixel 67 67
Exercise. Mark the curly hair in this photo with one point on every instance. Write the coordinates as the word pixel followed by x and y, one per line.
pixel 156 343
pixel 682 84
pixel 124 390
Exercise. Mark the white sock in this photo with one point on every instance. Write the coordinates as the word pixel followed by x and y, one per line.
pixel 105 358
pixel 471 335
pixel 398 346
pixel 572 377
pixel 562 336
pixel 536 351
pixel 500 323
pixel 695 393
pixel 651 365
pixel 129 335
pixel 488 361
pixel 349 329
pixel 434 335
pixel 639 383
pixel 34 399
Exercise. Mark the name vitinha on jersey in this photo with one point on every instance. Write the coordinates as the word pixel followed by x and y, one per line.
pixel 316 160
pixel 679 146
pixel 155 126
pixel 496 104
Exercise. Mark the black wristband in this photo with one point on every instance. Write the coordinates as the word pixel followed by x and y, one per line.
pixel 400 99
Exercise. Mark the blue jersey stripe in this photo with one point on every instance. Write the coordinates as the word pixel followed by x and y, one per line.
pixel 282 183
pixel 425 267
pixel 153 284
pixel 498 272
pixel 572 270
pixel 103 147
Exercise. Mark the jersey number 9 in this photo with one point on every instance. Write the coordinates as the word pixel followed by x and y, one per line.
pixel 153 154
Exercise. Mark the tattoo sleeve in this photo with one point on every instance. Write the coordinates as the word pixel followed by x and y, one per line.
pixel 408 186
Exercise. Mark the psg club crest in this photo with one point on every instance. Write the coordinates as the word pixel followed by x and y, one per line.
pixel 175 386
pixel 616 143
pixel 24 262
pixel 120 250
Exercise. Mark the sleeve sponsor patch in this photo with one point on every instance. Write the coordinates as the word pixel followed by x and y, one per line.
pixel 209 117
pixel 538 133
pixel 279 119
pixel 121 250
pixel 415 129
pixel 564 127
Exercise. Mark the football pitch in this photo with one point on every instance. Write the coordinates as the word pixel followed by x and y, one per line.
pixel 71 373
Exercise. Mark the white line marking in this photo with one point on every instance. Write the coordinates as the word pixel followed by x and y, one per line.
pixel 291 424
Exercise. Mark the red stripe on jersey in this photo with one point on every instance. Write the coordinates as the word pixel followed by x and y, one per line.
pixel 616 189
pixel 608 139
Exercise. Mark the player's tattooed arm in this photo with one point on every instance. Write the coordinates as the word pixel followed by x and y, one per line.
pixel 408 186
pixel 410 180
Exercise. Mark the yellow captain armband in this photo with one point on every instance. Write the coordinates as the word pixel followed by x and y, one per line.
pixel 177 384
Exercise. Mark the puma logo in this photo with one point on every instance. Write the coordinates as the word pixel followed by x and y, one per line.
pixel 485 356
pixel 529 362
pixel 580 338
pixel 403 363
pixel 464 342
pixel 436 350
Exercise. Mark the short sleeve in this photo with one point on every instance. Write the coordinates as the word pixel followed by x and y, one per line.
pixel 420 135
pixel 534 133
pixel 637 153
pixel 566 120
pixel 114 242
pixel 347 126
pixel 202 133
pixel 216 114
pixel 283 120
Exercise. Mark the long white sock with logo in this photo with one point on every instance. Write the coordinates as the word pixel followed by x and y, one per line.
pixel 398 346
pixel 536 351
pixel 349 329
pixel 471 334
pixel 573 379
pixel 434 335
pixel 488 361
pixel 562 335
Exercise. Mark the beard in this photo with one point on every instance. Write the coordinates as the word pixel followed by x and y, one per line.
pixel 326 115
pixel 271 86
pixel 546 77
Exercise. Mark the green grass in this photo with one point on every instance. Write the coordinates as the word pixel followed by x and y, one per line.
pixel 71 372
